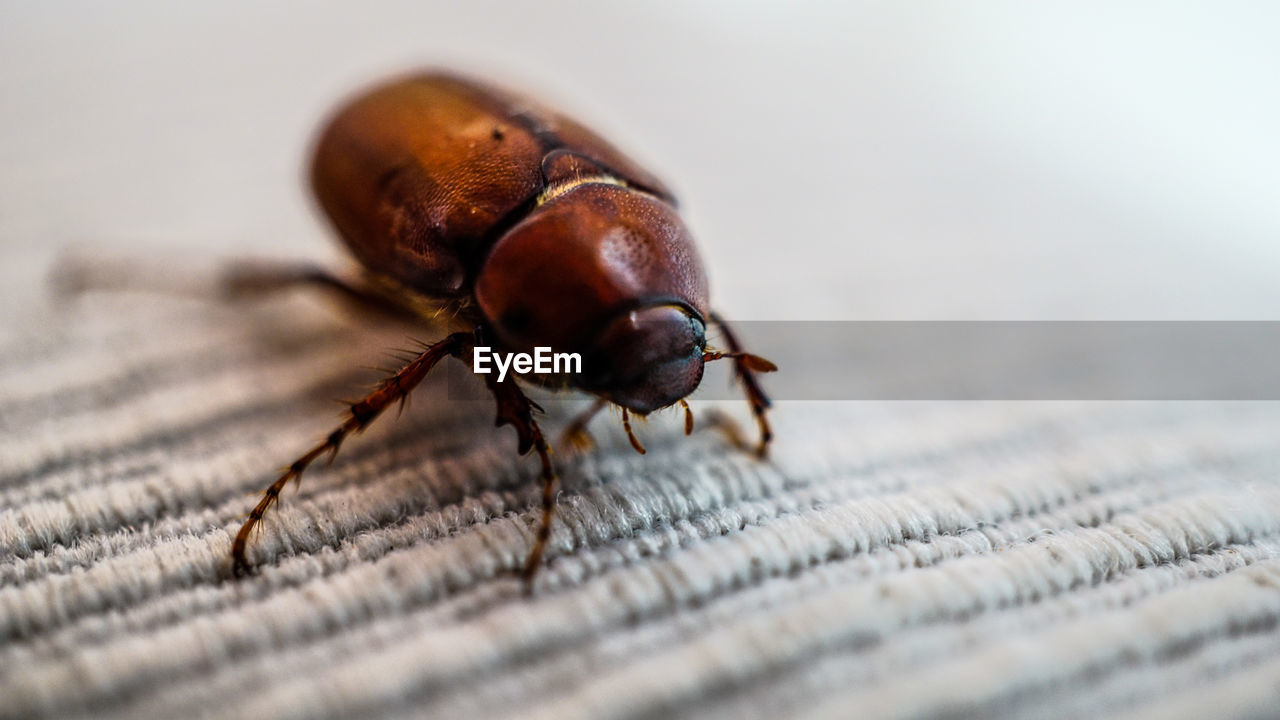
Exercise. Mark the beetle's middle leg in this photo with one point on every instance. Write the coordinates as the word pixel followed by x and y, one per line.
pixel 575 434
pixel 359 416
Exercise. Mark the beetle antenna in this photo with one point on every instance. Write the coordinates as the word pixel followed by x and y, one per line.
pixel 753 362
pixel 626 425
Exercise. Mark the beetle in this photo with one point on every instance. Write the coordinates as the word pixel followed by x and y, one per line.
pixel 527 230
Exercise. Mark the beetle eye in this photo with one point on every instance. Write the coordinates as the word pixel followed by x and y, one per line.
pixel 699 333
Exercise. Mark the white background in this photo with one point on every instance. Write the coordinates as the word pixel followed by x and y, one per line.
pixel 837 160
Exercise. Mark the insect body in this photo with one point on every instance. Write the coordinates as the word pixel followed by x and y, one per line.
pixel 532 232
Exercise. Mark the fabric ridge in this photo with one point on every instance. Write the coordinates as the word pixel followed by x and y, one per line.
pixel 913 559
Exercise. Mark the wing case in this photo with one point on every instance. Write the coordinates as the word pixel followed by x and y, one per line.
pixel 422 175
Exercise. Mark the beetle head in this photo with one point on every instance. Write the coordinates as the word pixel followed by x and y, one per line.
pixel 646 359
pixel 610 273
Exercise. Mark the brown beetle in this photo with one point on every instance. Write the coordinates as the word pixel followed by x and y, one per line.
pixel 529 231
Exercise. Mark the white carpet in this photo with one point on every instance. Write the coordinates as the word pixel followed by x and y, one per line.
pixel 906 560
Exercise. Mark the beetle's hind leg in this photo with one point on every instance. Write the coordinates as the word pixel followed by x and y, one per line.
pixel 245 279
pixel 75 273
pixel 745 366
pixel 359 416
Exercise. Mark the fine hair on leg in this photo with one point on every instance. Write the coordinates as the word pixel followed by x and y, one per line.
pixel 390 391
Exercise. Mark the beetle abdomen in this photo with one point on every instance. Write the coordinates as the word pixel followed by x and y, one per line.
pixel 414 174
pixel 422 175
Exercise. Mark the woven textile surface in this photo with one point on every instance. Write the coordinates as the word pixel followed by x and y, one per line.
pixel 891 559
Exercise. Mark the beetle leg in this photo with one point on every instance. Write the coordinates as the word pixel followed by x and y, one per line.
pixel 516 409
pixel 252 278
pixel 77 273
pixel 724 423
pixel 359 416
pixel 745 367
pixel 626 425
pixel 575 434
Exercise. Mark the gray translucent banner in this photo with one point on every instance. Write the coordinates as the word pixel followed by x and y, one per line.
pixel 1068 360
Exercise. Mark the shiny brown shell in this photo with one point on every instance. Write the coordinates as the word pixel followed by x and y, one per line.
pixel 422 175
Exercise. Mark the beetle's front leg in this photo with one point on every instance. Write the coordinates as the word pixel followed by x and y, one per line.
pixel 516 409
pixel 745 366
pixel 359 416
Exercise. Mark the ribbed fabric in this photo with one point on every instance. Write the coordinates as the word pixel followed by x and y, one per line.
pixel 889 560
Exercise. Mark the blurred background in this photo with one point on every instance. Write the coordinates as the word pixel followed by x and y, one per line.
pixel 838 160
